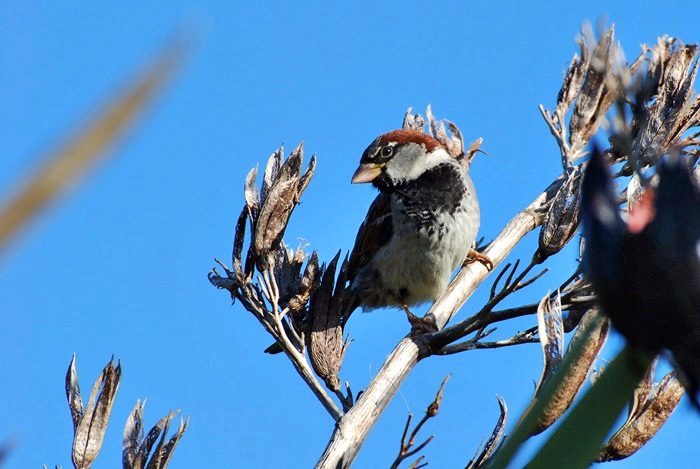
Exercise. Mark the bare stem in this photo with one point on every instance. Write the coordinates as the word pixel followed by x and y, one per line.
pixel 406 449
pixel 525 337
pixel 273 323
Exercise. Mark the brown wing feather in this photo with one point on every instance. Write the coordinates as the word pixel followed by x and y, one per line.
pixel 374 233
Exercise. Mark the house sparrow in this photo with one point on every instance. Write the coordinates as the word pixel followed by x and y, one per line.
pixel 418 230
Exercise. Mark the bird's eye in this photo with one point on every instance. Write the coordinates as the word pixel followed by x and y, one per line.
pixel 387 151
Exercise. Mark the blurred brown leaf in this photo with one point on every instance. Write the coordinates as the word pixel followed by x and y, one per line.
pixel 62 167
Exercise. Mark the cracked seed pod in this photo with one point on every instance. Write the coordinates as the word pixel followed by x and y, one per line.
pixel 90 422
pixel 651 408
pixel 494 440
pixel 272 169
pixel 413 121
pixel 241 275
pixel 551 332
pixel 281 189
pixel 667 106
pixel 306 286
pixel 453 143
pixel 562 219
pixel 573 80
pixel 596 95
pixel 287 271
pixel 136 449
pixel 326 345
pixel 579 370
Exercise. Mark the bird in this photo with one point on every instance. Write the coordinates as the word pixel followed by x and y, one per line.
pixel 646 270
pixel 419 229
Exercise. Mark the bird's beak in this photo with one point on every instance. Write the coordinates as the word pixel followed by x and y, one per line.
pixel 367 172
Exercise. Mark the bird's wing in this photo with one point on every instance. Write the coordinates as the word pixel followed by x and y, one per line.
pixel 375 232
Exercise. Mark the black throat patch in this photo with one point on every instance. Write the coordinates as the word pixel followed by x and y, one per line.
pixel 439 190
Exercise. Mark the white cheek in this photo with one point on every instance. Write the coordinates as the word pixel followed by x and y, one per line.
pixel 411 169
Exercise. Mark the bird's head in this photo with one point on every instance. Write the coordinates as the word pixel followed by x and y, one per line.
pixel 397 157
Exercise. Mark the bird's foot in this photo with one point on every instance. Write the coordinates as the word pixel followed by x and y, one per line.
pixel 476 256
pixel 424 325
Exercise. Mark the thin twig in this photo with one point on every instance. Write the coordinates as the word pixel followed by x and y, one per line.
pixel 251 298
pixel 297 358
pixel 406 449
pixel 525 337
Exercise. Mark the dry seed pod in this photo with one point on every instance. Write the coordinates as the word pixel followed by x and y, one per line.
pixel 90 422
pixel 236 255
pixel 308 283
pixel 413 121
pixel 454 143
pixel 136 449
pixel 562 219
pixel 577 373
pixel 551 333
pixel 457 140
pixel 647 417
pixel 287 271
pixel 251 194
pixel 327 346
pixel 673 109
pixel 595 97
pixel 284 191
pixel 272 168
pixel 572 83
pixel 494 440
pixel 472 150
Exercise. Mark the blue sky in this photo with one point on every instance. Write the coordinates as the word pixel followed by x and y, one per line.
pixel 119 265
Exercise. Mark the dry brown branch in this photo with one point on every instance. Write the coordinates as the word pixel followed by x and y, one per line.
pixel 524 337
pixel 406 449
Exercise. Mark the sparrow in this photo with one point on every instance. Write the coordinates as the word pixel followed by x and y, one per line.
pixel 418 230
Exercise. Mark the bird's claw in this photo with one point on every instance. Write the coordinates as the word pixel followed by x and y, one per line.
pixel 476 256
pixel 419 324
